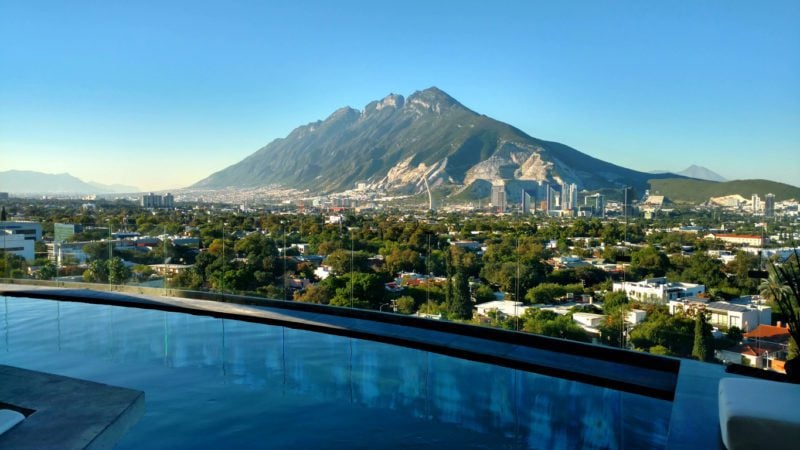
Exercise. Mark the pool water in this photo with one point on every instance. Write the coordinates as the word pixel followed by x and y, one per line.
pixel 214 383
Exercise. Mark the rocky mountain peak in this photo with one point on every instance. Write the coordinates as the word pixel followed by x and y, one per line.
pixel 391 101
pixel 433 100
pixel 343 113
pixel 396 142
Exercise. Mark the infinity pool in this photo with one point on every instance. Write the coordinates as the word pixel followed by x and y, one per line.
pixel 217 383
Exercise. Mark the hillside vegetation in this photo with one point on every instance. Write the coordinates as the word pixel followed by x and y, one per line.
pixel 698 191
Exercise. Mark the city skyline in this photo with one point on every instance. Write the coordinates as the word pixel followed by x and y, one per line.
pixel 128 93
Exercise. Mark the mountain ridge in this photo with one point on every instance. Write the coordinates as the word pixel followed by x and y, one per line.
pixel 701 173
pixel 29 181
pixel 698 191
pixel 398 143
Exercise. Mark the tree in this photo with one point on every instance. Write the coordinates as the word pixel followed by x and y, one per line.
pixel 404 261
pixel 361 290
pixel 142 272
pixel 742 263
pixel 316 293
pixel 405 305
pixel 548 323
pixel 783 288
pixel 118 272
pixel 47 272
pixel 614 300
pixel 734 334
pixel 660 350
pixel 191 278
pixel 702 349
pixel 545 293
pixel 661 328
pixel 430 307
pixel 13 266
pixel 703 269
pixel 484 294
pixel 615 306
pixel 649 262
pixel 96 250
pixel 506 274
pixel 345 261
pixel 591 276
pixel 97 272
pixel 460 304
pixel 772 288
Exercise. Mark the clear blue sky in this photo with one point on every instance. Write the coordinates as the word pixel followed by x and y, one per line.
pixel 161 94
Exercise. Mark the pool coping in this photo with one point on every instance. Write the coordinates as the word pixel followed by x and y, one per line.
pixel 632 372
pixel 66 413
pixel 693 391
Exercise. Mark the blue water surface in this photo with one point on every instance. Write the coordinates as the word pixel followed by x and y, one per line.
pixel 214 383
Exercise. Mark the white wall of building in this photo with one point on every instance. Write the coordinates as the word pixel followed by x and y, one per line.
pixel 505 307
pixel 17 244
pixel 658 290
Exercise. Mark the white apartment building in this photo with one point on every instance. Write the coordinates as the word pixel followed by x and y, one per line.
pixel 506 308
pixel 30 230
pixel 658 290
pixel 589 321
pixel 746 239
pixel 745 316
pixel 17 244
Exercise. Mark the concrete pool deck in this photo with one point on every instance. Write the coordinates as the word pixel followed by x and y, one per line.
pixel 690 385
pixel 65 413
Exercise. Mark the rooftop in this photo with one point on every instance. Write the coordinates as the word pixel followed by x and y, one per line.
pixel 769 331
pixel 725 306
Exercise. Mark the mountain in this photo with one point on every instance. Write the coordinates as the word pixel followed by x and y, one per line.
pixel 397 144
pixel 113 188
pixel 701 173
pixel 28 182
pixel 697 191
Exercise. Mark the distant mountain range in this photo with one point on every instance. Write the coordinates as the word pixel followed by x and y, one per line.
pixel 697 172
pixel 401 144
pixel 701 173
pixel 29 182
pixel 698 191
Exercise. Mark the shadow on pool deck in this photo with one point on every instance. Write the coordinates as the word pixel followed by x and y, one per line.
pixel 66 413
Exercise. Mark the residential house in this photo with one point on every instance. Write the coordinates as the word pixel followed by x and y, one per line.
pixel 658 290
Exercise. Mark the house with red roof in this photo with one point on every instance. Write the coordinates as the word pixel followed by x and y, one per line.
pixel 765 347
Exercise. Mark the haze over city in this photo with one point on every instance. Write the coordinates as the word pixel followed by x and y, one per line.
pixel 160 96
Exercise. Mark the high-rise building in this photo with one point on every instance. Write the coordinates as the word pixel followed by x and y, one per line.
pixel 499 196
pixel 553 197
pixel 543 194
pixel 628 196
pixel 63 231
pixel 755 201
pixel 528 201
pixel 152 200
pixel 569 197
pixel 597 202
pixel 573 196
pixel 769 205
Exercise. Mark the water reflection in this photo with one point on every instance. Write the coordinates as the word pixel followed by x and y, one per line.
pixel 519 409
